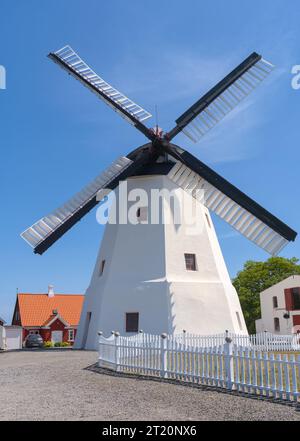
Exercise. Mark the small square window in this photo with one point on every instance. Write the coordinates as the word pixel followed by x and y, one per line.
pixel 101 269
pixel 190 262
pixel 132 321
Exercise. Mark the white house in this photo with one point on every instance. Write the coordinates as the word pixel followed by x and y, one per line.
pixel 280 307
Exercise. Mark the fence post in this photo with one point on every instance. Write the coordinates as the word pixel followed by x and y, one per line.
pixel 184 337
pixel 99 348
pixel 265 342
pixel 163 356
pixel 229 374
pixel 140 335
pixel 117 361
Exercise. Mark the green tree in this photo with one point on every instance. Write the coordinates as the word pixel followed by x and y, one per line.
pixel 258 276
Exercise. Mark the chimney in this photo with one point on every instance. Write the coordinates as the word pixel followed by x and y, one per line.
pixel 50 291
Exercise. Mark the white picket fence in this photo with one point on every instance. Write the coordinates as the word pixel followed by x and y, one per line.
pixel 220 363
pixel 264 341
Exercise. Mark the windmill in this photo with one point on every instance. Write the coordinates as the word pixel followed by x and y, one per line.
pixel 157 277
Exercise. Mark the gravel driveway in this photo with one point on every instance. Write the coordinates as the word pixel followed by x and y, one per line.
pixel 54 385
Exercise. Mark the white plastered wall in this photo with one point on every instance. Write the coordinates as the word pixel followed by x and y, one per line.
pixel 145 272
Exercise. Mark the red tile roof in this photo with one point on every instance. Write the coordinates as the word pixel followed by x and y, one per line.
pixel 36 309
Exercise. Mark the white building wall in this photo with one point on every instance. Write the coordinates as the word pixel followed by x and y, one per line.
pixel 145 272
pixel 268 313
pixel 13 337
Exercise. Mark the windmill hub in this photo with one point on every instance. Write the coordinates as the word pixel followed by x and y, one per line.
pixel 157 131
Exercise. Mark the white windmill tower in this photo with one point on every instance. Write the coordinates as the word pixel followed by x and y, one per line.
pixel 157 276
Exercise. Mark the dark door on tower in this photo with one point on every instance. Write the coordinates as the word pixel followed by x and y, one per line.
pixel 132 321
pixel 86 329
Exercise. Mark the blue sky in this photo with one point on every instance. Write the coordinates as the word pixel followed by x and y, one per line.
pixel 56 136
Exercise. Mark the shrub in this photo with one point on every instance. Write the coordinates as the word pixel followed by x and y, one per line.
pixel 65 343
pixel 57 344
pixel 48 344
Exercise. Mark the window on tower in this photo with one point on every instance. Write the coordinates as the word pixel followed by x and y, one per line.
pixel 101 269
pixel 132 321
pixel 275 302
pixel 190 262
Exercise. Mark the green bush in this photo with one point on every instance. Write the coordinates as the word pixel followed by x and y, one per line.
pixel 48 344
pixel 65 343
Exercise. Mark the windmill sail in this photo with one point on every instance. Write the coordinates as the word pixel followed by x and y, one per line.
pixel 230 204
pixel 222 99
pixel 69 60
pixel 47 228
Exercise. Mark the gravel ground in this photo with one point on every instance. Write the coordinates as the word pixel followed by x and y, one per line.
pixel 55 385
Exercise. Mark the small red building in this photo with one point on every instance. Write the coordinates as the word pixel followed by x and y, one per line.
pixel 54 316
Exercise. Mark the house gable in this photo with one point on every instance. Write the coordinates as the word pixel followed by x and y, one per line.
pixel 57 325
pixel 51 323
pixel 16 320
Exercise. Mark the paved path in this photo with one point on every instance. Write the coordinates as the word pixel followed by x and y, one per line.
pixel 54 385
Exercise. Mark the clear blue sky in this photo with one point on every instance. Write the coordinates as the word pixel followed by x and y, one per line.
pixel 56 135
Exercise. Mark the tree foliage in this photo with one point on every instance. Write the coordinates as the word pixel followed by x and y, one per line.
pixel 258 276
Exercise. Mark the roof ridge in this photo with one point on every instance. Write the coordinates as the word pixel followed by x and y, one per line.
pixel 46 294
